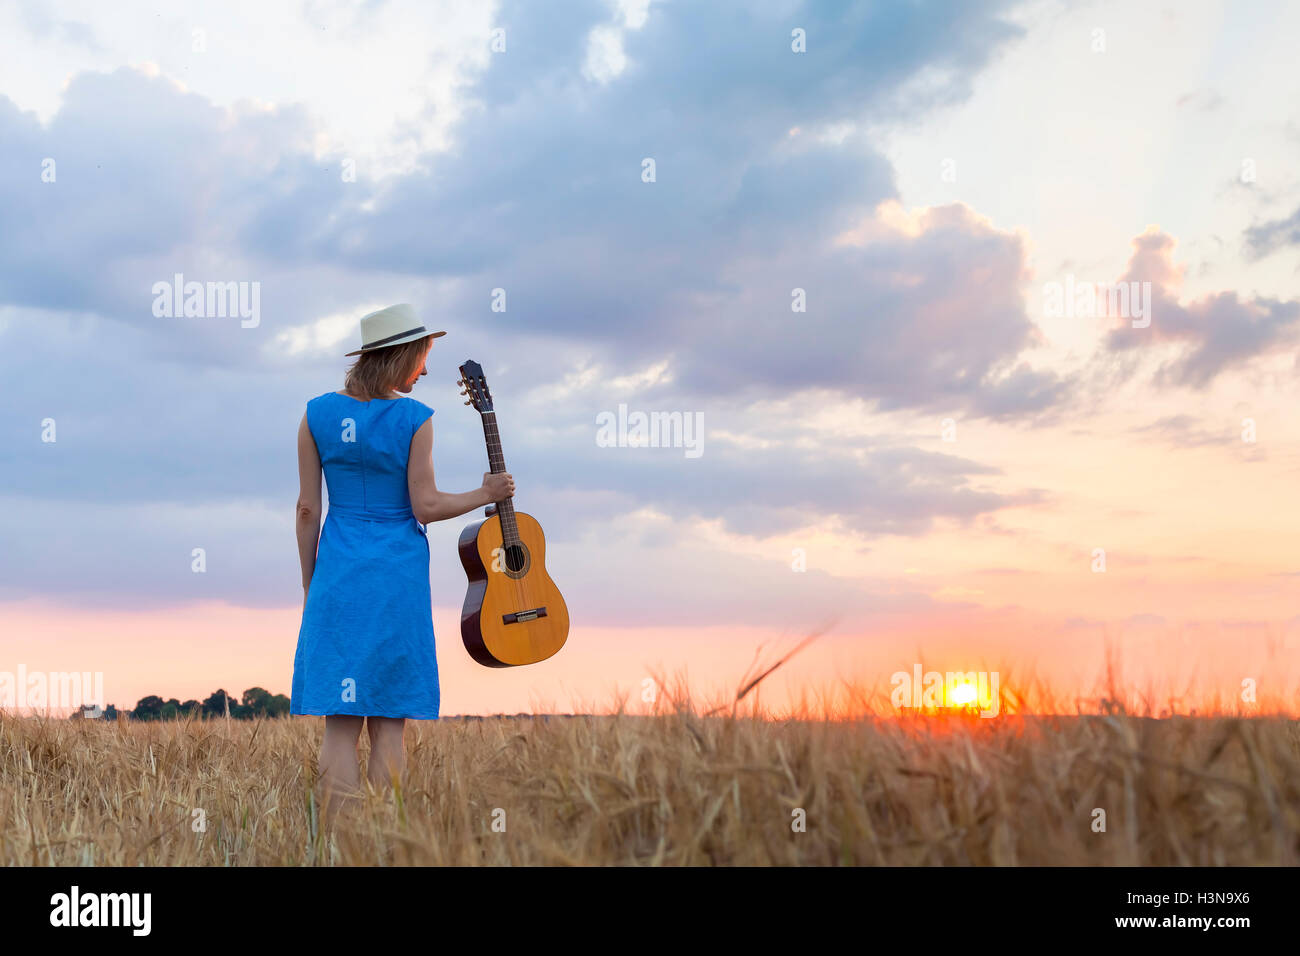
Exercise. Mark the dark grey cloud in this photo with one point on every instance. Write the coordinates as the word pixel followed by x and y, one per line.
pixel 932 321
pixel 542 197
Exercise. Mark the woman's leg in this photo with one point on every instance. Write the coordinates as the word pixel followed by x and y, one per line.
pixel 387 750
pixel 340 769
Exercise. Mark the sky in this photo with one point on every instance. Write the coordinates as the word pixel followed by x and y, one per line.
pixel 849 239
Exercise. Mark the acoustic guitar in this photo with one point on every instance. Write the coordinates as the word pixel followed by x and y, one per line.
pixel 513 612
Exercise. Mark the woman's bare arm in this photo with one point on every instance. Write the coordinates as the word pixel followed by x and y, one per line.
pixel 309 503
pixel 430 504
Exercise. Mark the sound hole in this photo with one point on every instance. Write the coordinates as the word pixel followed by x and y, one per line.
pixel 515 560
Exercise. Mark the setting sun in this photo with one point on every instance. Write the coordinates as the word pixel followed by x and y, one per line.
pixel 962 694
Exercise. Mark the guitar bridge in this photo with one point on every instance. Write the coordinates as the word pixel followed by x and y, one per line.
pixel 520 617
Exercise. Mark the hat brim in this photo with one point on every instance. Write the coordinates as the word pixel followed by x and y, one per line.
pixel 402 341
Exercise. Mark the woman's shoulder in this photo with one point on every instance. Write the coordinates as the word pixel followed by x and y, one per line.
pixel 419 410
pixel 326 398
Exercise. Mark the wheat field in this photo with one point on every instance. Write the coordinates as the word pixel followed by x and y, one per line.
pixel 670 789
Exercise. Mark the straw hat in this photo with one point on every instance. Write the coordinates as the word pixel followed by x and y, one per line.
pixel 394 325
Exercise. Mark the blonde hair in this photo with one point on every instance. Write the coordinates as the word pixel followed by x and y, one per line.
pixel 375 374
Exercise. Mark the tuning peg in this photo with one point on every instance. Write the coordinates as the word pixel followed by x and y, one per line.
pixel 467 402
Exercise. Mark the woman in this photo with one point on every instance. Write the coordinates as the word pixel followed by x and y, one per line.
pixel 365 649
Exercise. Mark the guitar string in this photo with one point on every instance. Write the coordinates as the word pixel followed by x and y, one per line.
pixel 497 458
pixel 521 586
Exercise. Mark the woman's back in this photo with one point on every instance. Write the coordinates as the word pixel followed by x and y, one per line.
pixel 363 448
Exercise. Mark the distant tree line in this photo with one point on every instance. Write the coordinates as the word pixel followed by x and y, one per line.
pixel 255 702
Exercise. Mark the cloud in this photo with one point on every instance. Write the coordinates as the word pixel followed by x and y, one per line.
pixel 930 316
pixel 766 181
pixel 1211 335
pixel 1268 237
pixel 42 24
pixel 1183 431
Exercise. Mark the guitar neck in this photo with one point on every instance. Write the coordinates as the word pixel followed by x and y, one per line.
pixel 497 465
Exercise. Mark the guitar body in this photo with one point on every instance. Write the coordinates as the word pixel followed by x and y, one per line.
pixel 513 612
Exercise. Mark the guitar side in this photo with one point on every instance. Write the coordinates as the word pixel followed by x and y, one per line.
pixel 507 619
pixel 472 609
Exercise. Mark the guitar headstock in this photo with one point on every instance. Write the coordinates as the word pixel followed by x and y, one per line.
pixel 473 383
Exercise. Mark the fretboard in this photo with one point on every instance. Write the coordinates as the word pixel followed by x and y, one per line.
pixel 497 465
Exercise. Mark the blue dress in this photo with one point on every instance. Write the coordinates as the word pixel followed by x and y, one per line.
pixel 366 643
